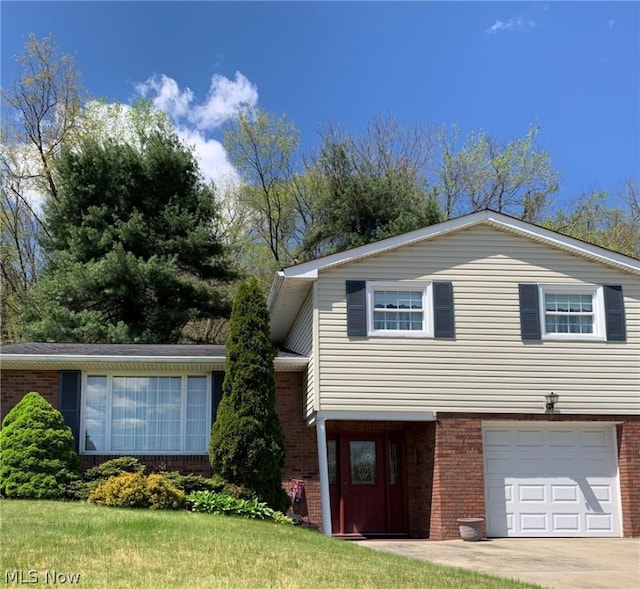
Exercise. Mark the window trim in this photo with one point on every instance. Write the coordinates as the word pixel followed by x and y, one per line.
pixel 427 308
pixel 599 319
pixel 143 374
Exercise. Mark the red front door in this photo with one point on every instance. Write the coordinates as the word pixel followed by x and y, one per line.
pixel 366 483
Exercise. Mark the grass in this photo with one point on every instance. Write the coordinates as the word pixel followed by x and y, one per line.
pixel 126 548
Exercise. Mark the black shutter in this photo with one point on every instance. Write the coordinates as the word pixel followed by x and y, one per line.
pixel 69 401
pixel 614 313
pixel 443 323
pixel 529 311
pixel 217 378
pixel 356 307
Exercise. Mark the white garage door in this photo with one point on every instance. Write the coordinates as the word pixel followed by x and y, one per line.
pixel 551 481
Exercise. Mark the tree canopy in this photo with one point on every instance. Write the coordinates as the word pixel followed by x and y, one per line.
pixel 132 255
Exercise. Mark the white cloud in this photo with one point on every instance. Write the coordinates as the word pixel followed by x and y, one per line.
pixel 212 157
pixel 194 120
pixel 519 24
pixel 225 99
pixel 168 96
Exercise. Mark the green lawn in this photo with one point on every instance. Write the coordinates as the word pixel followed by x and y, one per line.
pixel 124 548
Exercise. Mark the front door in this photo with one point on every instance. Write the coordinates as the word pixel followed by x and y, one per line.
pixel 367 490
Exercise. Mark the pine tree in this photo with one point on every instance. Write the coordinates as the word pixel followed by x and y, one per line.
pixel 247 441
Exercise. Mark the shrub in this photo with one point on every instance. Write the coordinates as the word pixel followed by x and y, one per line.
pixel 37 455
pixel 190 483
pixel 138 490
pixel 247 441
pixel 114 467
pixel 95 476
pixel 223 504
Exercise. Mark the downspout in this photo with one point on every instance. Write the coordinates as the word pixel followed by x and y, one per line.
pixel 323 464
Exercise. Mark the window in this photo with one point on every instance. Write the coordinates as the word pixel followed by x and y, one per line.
pixel 572 312
pixel 146 414
pixel 399 308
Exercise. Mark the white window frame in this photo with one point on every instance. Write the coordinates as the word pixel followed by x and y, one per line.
pixel 599 321
pixel 142 374
pixel 427 307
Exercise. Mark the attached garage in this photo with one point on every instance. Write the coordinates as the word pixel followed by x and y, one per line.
pixel 551 480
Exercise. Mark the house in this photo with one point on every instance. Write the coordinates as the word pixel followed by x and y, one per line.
pixel 414 385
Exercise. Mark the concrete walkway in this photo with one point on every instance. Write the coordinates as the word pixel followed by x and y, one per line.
pixel 557 563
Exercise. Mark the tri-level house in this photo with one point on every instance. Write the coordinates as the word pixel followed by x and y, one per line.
pixel 481 367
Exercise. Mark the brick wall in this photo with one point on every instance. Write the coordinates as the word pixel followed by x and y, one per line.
pixel 458 474
pixel 629 468
pixel 15 384
pixel 420 442
pixel 301 461
pixel 154 462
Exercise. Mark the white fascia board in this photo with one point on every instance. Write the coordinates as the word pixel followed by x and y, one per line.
pixel 498 220
pixel 372 416
pixel 67 358
pixel 276 285
pixel 311 268
pixel 564 242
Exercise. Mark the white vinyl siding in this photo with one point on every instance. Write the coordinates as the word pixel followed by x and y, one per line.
pixel 487 366
pixel 300 340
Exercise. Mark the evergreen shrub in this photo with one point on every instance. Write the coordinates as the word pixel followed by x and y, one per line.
pixel 93 477
pixel 37 452
pixel 247 442
pixel 138 490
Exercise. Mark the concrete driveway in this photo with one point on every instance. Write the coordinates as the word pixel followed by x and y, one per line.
pixel 557 563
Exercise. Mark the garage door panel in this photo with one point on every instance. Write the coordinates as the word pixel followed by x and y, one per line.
pixel 528 438
pixel 562 439
pixel 532 493
pixel 533 522
pixel 497 438
pixel 566 486
pixel 566 522
pixel 594 439
pixel 561 466
pixel 602 493
pixel 598 521
pixel 598 466
pixel 499 464
pixel 564 493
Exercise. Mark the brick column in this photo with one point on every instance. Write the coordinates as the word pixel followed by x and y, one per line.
pixel 458 475
pixel 629 465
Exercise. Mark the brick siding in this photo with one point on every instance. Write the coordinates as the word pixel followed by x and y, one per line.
pixel 458 474
pixel 15 384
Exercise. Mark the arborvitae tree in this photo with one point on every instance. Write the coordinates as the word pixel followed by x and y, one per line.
pixel 247 441
pixel 37 455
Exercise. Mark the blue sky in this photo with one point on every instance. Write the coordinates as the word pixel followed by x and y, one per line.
pixel 573 67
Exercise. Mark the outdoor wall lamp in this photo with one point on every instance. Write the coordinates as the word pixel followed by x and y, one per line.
pixel 551 399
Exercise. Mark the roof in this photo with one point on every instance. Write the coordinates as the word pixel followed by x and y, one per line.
pixel 291 285
pixel 46 356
